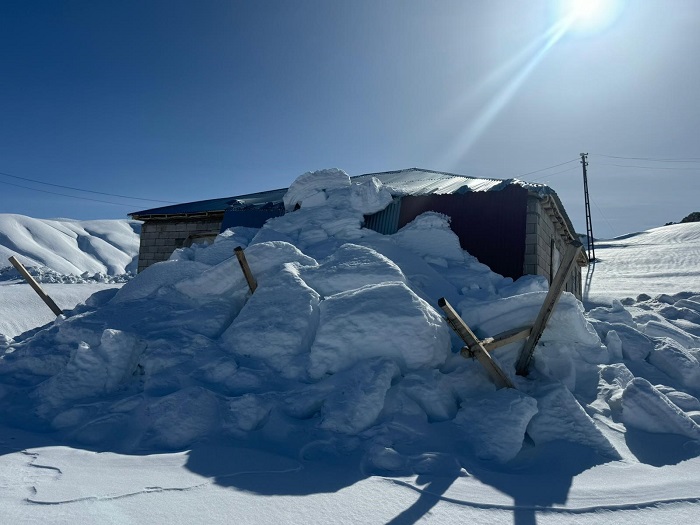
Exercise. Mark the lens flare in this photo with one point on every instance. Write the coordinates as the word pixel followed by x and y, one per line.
pixel 588 16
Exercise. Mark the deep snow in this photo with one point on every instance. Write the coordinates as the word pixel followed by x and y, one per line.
pixel 338 388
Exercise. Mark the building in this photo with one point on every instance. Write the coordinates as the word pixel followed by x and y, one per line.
pixel 514 227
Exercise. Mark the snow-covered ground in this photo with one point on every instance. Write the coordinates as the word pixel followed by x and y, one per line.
pixel 336 393
pixel 84 256
pixel 664 260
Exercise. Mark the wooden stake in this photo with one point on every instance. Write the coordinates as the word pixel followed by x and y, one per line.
pixel 246 269
pixel 474 347
pixel 37 288
pixel 555 290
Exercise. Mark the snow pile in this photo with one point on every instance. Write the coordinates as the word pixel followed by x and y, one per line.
pixel 87 251
pixel 653 338
pixel 341 347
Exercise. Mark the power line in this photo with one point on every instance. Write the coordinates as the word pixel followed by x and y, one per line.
pixel 555 173
pixel 87 191
pixel 548 168
pixel 604 218
pixel 66 195
pixel 649 159
pixel 657 168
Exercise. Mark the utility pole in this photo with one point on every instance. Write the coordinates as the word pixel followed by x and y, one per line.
pixel 589 223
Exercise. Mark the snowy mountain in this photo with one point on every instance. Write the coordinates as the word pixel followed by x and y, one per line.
pixel 68 247
pixel 336 392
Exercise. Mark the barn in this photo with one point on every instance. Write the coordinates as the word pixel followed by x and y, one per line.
pixel 514 227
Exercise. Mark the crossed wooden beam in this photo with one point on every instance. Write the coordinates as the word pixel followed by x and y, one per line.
pixel 480 349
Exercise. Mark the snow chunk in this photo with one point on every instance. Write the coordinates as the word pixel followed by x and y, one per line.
pixel 670 357
pixel 387 320
pixel 277 323
pixel 357 398
pixel 92 372
pixel 265 261
pixel 181 418
pixel 351 267
pixel 369 196
pixel 611 383
pixel 247 413
pixel 310 188
pixel 561 417
pixel 430 236
pixel 495 423
pixel 645 408
pixel 157 276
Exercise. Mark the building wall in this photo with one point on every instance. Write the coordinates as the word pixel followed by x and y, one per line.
pixel 545 244
pixel 159 238
pixel 490 224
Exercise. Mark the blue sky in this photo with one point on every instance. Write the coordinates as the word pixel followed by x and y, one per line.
pixel 180 101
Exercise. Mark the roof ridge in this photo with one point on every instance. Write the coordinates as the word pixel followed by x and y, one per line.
pixel 391 172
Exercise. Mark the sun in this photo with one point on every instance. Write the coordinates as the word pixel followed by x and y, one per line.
pixel 588 16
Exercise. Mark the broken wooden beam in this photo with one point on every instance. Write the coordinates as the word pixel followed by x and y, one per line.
pixel 505 338
pixel 555 291
pixel 252 284
pixel 474 347
pixel 36 286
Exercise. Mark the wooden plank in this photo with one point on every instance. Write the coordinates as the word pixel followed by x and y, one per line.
pixel 36 286
pixel 252 284
pixel 474 347
pixel 555 291
pixel 505 338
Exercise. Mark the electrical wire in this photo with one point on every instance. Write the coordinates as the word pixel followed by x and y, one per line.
pixel 87 191
pixel 649 159
pixel 548 168
pixel 604 218
pixel 555 173
pixel 657 168
pixel 66 195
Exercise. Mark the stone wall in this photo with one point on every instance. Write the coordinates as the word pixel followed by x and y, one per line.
pixel 545 244
pixel 159 238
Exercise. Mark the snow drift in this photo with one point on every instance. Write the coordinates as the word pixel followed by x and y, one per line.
pixel 62 247
pixel 341 345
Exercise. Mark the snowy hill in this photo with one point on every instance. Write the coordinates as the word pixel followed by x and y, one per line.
pixel 662 260
pixel 336 392
pixel 67 247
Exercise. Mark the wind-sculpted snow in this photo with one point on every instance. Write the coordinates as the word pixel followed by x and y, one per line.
pixel 341 345
pixel 92 251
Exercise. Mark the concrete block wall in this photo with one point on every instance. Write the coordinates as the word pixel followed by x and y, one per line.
pixel 540 231
pixel 159 238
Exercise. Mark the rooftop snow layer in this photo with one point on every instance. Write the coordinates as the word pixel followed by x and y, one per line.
pixel 411 181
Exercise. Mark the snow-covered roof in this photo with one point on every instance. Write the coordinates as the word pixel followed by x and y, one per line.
pixel 211 205
pixel 411 181
pixel 417 181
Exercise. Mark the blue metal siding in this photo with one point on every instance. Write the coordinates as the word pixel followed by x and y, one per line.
pixel 386 221
pixel 254 218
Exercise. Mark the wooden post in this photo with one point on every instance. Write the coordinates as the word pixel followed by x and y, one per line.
pixel 555 290
pixel 474 347
pixel 37 288
pixel 246 269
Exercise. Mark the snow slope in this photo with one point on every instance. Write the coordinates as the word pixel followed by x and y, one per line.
pixel 338 389
pixel 663 260
pixel 71 247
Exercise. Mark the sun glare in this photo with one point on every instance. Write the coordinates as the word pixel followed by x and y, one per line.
pixel 588 16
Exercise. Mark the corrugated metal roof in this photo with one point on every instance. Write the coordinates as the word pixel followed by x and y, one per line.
pixel 213 205
pixel 417 181
pixel 411 181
